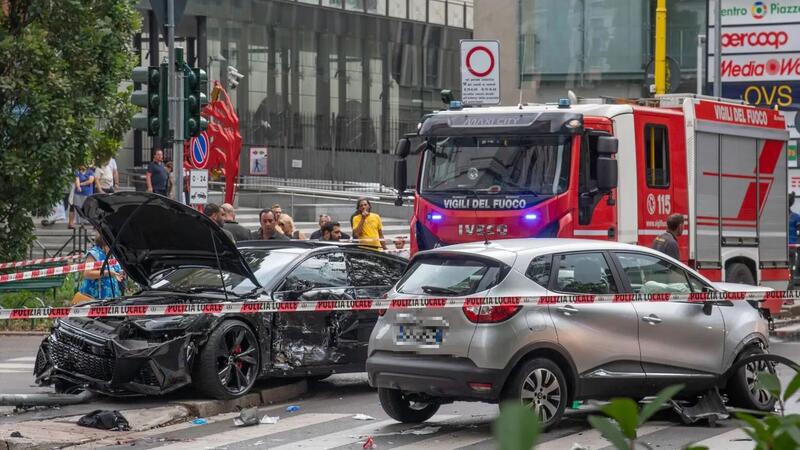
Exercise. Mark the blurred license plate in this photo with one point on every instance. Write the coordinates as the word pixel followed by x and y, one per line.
pixel 419 335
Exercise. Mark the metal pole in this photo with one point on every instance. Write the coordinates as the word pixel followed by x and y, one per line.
pixel 701 40
pixel 717 48
pixel 177 143
pixel 661 47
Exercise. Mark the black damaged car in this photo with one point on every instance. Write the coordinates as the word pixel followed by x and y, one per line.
pixel 177 255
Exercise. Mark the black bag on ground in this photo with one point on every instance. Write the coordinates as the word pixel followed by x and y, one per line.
pixel 105 420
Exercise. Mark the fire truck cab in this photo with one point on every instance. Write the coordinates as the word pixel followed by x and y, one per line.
pixel 609 171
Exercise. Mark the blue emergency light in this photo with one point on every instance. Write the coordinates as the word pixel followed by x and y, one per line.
pixel 563 103
pixel 531 216
pixel 455 104
pixel 434 217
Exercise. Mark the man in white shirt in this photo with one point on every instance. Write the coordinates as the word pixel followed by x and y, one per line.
pixel 107 177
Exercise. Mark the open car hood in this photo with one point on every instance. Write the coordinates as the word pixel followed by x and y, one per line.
pixel 151 233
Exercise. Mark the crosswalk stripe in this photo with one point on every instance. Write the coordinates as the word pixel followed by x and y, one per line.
pixel 22 359
pixel 13 366
pixel 243 434
pixel 592 438
pixel 357 434
pixel 450 441
pixel 732 440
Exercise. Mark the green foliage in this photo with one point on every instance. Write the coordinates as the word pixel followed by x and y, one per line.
pixel 61 65
pixel 517 428
pixel 627 418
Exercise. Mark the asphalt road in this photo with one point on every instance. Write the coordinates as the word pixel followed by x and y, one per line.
pixel 325 418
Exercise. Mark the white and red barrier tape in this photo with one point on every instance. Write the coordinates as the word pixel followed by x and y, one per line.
pixel 271 306
pixel 51 271
pixel 33 262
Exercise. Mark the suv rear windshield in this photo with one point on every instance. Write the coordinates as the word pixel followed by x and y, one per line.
pixel 451 275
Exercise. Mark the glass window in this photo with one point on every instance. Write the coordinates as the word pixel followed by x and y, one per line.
pixel 398 9
pixel 585 273
pixel 419 10
pixel 320 271
pixel 455 14
pixel 697 285
pixel 264 263
pixel 513 165
pixel 539 270
pixel 450 276
pixel 651 275
pixel 437 11
pixel 371 270
pixel 656 155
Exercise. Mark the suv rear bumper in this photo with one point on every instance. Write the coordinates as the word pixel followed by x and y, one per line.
pixel 436 376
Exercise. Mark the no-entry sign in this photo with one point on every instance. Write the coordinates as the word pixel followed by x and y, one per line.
pixel 480 72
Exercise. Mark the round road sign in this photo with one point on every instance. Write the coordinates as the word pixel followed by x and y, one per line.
pixel 480 61
pixel 199 151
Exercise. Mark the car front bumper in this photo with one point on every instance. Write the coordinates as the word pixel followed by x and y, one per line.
pixel 436 376
pixel 114 367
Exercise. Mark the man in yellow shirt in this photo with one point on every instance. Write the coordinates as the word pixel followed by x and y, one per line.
pixel 367 226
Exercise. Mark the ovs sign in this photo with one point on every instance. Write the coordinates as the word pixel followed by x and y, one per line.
pixel 769 94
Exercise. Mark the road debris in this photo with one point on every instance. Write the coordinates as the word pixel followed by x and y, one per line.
pixel 200 421
pixel 363 417
pixel 369 443
pixel 105 420
pixel 422 431
pixel 292 408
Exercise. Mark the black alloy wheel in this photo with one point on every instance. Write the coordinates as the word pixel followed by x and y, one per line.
pixel 229 363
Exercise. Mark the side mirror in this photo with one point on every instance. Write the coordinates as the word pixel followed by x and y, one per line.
pixel 400 176
pixel 607 145
pixel 403 148
pixel 606 173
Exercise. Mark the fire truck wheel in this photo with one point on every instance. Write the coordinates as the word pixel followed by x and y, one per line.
pixel 739 273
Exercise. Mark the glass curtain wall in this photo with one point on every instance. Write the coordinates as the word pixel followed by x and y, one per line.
pixel 324 78
pixel 602 48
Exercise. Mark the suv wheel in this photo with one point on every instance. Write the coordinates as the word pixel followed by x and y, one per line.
pixel 403 409
pixel 742 387
pixel 540 385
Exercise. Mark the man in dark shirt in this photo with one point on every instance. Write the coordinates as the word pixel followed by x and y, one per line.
pixel 157 175
pixel 323 219
pixel 667 243
pixel 331 231
pixel 239 232
pixel 214 212
pixel 268 230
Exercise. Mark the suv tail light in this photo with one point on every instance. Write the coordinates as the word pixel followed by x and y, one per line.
pixel 490 314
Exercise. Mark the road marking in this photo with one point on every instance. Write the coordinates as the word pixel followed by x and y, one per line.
pixel 29 359
pixel 243 434
pixel 359 434
pixel 592 438
pixel 732 440
pixel 448 441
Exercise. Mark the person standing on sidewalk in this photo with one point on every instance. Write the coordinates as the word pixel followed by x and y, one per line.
pixel 367 226
pixel 239 232
pixel 269 228
pixel 157 175
pixel 84 187
pixel 667 243
pixel 107 177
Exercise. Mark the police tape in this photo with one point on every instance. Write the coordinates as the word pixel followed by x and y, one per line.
pixel 51 271
pixel 268 305
pixel 33 262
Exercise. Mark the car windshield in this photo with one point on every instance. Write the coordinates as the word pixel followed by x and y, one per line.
pixel 265 263
pixel 511 165
pixel 450 276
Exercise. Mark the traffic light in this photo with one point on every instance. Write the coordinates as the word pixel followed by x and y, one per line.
pixel 233 77
pixel 154 100
pixel 196 84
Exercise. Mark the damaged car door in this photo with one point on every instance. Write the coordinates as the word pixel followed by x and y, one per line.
pixel 371 274
pixel 310 339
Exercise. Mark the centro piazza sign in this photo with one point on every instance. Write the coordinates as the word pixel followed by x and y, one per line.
pixel 760 41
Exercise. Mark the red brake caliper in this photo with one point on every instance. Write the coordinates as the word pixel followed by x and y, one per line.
pixel 236 351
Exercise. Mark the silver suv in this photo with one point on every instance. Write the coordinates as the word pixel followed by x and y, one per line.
pixel 548 356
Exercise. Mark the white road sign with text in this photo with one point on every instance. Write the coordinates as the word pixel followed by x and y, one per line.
pixel 480 72
pixel 198 186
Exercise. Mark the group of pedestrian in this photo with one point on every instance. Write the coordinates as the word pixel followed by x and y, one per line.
pixel 278 225
pixel 89 180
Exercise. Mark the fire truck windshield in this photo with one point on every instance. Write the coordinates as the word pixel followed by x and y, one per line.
pixel 532 165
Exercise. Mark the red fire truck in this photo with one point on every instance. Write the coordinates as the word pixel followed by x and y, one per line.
pixel 609 171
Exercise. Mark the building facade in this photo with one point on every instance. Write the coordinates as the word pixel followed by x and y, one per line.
pixel 327 82
pixel 592 47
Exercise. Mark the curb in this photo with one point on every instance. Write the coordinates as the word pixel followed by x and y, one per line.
pixel 173 413
pixel 208 408
pixel 23 333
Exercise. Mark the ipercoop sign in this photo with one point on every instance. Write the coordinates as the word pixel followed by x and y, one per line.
pixel 759 42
